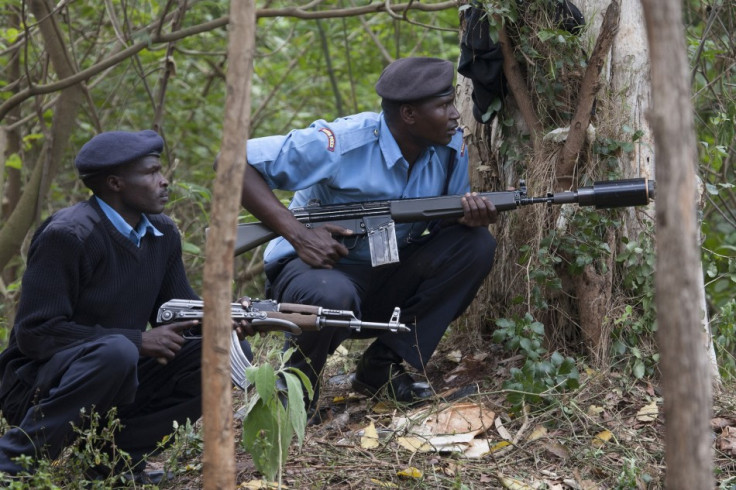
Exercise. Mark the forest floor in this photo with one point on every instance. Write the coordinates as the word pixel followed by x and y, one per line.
pixel 608 434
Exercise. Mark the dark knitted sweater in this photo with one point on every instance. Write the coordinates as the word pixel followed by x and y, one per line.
pixel 84 280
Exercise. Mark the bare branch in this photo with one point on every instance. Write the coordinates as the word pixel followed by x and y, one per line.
pixel 156 37
pixel 588 89
pixel 518 88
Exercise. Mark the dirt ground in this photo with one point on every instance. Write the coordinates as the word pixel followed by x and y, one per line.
pixel 606 435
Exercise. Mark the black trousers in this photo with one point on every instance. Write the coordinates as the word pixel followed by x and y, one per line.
pixel 433 283
pixel 101 374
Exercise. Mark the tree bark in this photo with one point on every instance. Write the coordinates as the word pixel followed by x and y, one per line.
pixel 219 451
pixel 685 369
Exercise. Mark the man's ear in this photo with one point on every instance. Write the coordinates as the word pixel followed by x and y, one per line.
pixel 114 183
pixel 408 113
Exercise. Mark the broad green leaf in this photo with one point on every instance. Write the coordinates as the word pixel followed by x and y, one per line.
pixel 264 379
pixel 297 412
pixel 14 161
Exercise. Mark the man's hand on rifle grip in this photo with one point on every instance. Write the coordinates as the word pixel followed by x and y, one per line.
pixel 317 247
pixel 243 328
pixel 164 341
pixel 477 210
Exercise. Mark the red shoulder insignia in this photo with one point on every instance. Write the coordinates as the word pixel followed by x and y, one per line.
pixel 330 138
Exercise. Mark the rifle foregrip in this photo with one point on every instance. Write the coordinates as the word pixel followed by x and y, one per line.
pixel 305 322
pixel 297 308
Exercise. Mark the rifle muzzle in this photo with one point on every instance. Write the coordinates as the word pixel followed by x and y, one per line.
pixel 610 194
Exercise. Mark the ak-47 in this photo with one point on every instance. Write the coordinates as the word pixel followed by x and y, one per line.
pixel 376 218
pixel 266 315
pixel 269 316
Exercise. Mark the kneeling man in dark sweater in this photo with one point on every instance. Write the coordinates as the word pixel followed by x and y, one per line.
pixel 96 275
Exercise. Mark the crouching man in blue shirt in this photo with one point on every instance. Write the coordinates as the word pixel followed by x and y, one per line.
pixel 414 148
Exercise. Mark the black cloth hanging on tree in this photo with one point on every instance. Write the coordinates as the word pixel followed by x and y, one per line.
pixel 481 59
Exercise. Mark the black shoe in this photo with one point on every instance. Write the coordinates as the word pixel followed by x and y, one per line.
pixel 380 370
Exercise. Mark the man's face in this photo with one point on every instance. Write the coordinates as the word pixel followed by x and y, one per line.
pixel 142 188
pixel 435 120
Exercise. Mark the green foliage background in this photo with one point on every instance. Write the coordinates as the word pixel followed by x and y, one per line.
pixel 307 69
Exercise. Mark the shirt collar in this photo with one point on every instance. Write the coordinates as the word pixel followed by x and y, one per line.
pixel 133 234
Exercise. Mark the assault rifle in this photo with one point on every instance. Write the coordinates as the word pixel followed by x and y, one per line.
pixel 376 218
pixel 269 316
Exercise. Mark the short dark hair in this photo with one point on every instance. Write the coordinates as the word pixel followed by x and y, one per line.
pixel 391 109
pixel 95 182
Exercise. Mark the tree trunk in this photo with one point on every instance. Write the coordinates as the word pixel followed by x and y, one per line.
pixel 219 455
pixel 583 308
pixel 685 369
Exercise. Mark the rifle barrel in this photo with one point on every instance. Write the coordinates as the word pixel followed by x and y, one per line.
pixel 604 195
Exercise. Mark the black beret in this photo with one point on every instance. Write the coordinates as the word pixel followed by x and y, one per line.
pixel 108 150
pixel 416 78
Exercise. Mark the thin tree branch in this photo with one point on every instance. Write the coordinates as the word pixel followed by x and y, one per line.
pixel 588 89
pixel 154 39
pixel 518 88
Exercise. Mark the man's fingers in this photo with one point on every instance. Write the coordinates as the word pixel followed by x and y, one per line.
pixel 337 230
pixel 478 210
pixel 243 328
pixel 179 327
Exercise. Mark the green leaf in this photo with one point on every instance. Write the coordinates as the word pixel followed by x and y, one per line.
pixel 264 379
pixel 14 161
pixel 505 323
pixel 190 248
pixel 639 369
pixel 297 412
pixel 306 383
pixel 557 359
pixel 525 344
pixel 545 35
pixel 537 328
pixel 10 34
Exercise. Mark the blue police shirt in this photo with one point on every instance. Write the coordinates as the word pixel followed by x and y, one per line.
pixel 133 234
pixel 355 158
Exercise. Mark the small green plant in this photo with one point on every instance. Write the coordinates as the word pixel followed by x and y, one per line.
pixel 92 461
pixel 543 276
pixel 525 334
pixel 585 243
pixel 631 476
pixel 634 329
pixel 541 374
pixel 186 445
pixel 274 414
